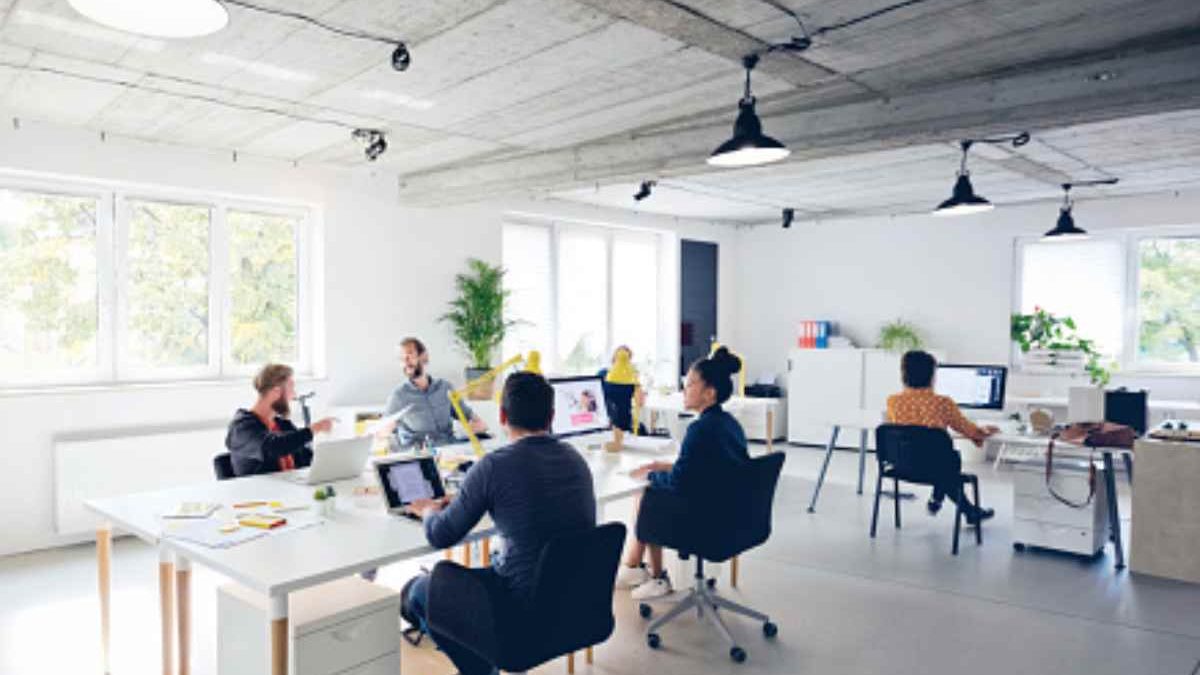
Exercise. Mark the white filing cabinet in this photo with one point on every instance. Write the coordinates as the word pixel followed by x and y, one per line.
pixel 752 415
pixel 1045 522
pixel 345 627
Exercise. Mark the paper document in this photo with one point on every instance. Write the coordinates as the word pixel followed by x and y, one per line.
pixel 193 510
pixel 377 425
pixel 654 444
pixel 211 533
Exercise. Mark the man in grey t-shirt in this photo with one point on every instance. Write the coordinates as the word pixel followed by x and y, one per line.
pixel 424 401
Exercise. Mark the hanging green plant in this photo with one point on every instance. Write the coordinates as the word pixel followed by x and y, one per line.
pixel 899 336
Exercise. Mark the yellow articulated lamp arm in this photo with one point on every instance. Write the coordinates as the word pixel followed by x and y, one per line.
pixel 533 364
pixel 741 391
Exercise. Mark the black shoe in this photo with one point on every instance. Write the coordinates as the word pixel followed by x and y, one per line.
pixel 933 506
pixel 979 516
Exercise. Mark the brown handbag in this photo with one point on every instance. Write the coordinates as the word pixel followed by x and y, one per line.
pixel 1092 435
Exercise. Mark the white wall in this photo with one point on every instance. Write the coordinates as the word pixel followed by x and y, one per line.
pixel 952 278
pixel 388 273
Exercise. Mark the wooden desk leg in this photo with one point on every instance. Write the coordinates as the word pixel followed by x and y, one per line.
pixel 571 663
pixel 279 635
pixel 485 551
pixel 588 653
pixel 166 599
pixel 104 579
pixel 183 607
pixel 733 571
pixel 466 555
pixel 449 554
pixel 770 430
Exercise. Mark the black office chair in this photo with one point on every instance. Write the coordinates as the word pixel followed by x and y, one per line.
pixel 223 466
pixel 571 606
pixel 910 454
pixel 710 530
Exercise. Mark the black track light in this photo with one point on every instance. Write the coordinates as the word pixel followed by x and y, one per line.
pixel 401 59
pixel 749 145
pixel 373 141
pixel 644 190
pixel 788 216
pixel 963 200
pixel 1065 229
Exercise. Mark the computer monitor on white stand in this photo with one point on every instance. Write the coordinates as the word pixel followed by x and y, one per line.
pixel 974 386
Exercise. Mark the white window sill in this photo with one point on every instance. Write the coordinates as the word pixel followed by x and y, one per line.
pixel 148 385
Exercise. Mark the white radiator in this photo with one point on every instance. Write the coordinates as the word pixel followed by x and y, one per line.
pixel 113 463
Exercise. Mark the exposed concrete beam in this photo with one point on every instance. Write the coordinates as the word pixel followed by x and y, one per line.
pixel 1065 94
pixel 693 27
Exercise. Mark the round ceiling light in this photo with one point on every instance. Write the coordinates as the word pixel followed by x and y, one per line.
pixel 157 18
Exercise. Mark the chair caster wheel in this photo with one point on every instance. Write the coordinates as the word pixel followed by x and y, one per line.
pixel 1018 546
pixel 645 610
pixel 653 641
pixel 712 583
pixel 770 630
pixel 737 654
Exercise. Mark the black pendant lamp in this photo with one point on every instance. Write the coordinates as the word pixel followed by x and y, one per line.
pixel 963 200
pixel 749 145
pixel 1065 229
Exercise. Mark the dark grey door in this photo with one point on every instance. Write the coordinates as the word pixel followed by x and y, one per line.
pixel 697 300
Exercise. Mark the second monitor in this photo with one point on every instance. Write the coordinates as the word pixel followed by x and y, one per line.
pixel 972 385
pixel 579 406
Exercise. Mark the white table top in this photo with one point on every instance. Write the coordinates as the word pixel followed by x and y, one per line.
pixel 673 402
pixel 1061 402
pixel 360 536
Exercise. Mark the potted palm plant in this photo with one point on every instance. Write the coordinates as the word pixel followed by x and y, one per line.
pixel 476 318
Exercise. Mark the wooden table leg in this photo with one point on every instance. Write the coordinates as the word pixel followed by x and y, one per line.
pixel 733 571
pixel 466 555
pixel 485 547
pixel 279 635
pixel 571 663
pixel 770 430
pixel 183 607
pixel 104 578
pixel 449 554
pixel 589 655
pixel 166 599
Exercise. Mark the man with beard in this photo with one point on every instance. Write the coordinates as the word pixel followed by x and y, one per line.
pixel 263 439
pixel 423 401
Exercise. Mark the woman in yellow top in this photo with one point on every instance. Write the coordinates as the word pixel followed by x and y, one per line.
pixel 919 405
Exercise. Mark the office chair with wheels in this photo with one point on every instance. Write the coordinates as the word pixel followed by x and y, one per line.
pixel 709 530
pixel 571 606
pixel 913 454
pixel 223 466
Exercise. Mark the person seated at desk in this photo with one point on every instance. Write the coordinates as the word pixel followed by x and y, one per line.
pixel 425 401
pixel 535 489
pixel 263 439
pixel 714 445
pixel 918 405
pixel 618 399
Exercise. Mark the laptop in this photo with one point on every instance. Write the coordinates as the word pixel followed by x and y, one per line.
pixel 336 460
pixel 579 406
pixel 403 480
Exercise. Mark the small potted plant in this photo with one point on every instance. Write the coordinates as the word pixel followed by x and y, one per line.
pixel 476 317
pixel 899 336
pixel 324 501
pixel 1051 342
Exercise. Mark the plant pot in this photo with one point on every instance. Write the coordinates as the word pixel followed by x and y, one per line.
pixel 484 391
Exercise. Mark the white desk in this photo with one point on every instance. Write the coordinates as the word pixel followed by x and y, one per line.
pixel 863 420
pixel 767 408
pixel 354 540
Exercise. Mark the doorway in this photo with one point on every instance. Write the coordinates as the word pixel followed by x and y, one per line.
pixel 697 300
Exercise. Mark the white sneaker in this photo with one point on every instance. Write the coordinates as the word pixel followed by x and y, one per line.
pixel 653 588
pixel 631 577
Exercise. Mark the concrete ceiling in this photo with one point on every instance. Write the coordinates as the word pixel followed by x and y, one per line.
pixel 584 98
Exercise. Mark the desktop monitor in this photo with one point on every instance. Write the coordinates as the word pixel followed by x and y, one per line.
pixel 972 386
pixel 579 406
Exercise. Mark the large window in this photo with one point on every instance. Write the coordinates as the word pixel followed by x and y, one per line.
pixel 1136 293
pixel 578 292
pixel 101 287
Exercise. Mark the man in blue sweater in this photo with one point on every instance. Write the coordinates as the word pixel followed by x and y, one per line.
pixel 535 489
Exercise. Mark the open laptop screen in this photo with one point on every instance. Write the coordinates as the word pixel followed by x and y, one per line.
pixel 579 406
pixel 407 480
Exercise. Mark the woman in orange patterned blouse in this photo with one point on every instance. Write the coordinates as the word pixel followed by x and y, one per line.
pixel 919 405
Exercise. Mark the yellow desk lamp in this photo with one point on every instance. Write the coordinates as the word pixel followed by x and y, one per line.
pixel 741 390
pixel 623 372
pixel 533 364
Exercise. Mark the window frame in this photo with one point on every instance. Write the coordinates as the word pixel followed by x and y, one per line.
pixel 556 227
pixel 1129 240
pixel 112 228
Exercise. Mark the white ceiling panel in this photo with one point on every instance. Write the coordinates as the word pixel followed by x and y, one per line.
pixel 296 139
pixel 674 201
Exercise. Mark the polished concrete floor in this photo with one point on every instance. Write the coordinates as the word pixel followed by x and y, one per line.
pixel 844 603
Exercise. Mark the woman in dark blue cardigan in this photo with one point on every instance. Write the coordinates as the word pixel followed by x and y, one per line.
pixel 714 443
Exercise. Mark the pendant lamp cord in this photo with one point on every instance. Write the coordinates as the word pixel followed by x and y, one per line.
pixel 748 62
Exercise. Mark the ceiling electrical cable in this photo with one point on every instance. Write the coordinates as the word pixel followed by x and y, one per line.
pixel 805 39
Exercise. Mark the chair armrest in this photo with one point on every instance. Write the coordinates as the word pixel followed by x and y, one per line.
pixel 460 608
